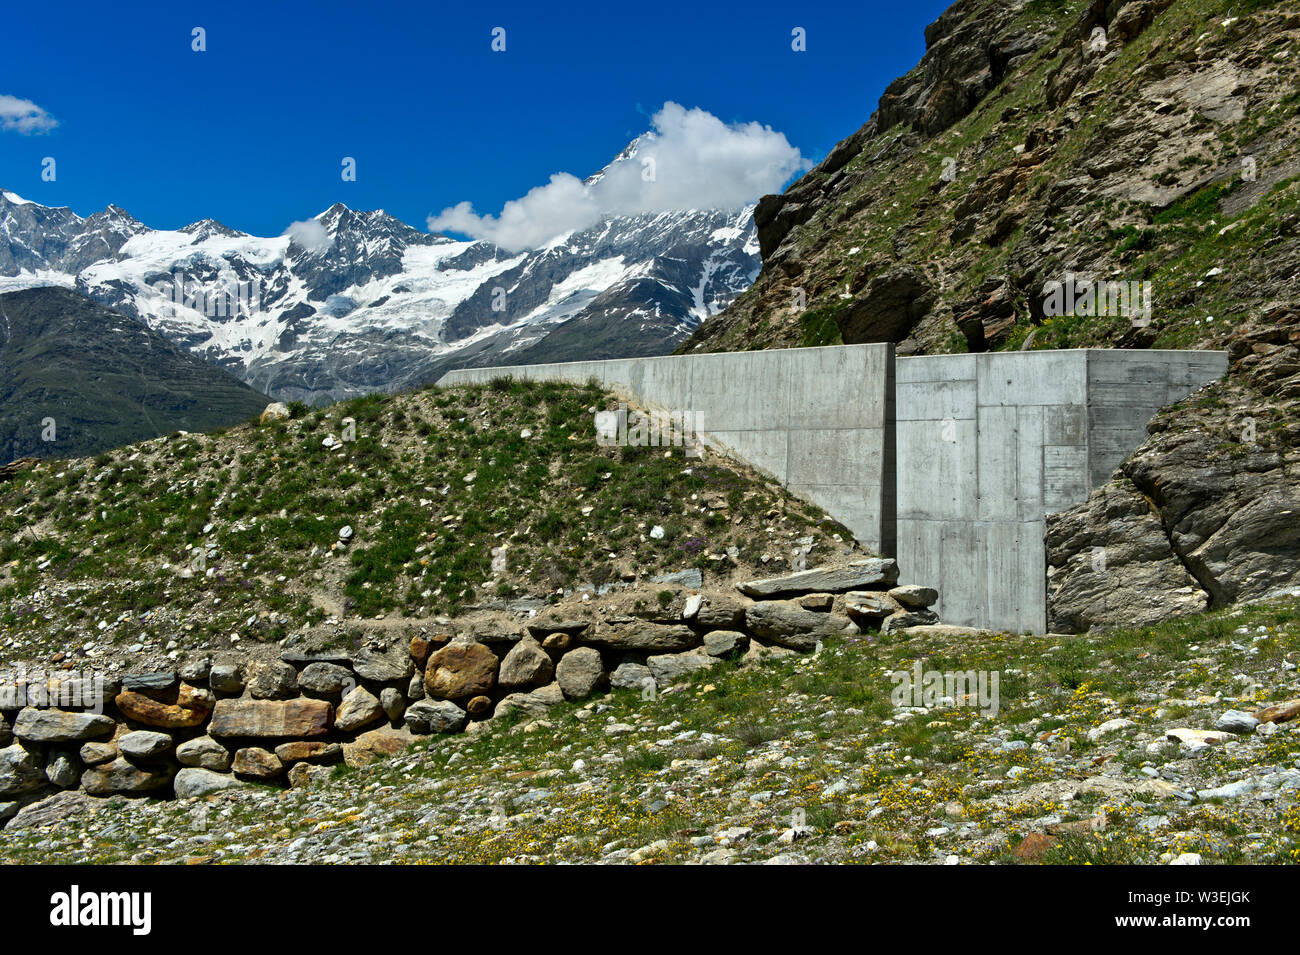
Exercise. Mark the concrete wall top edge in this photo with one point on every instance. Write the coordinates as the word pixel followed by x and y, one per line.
pixel 1172 355
pixel 610 363
pixel 1055 351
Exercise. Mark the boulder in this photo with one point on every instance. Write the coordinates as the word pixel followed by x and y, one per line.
pixel 393 702
pixel 786 623
pixel 270 718
pixel 873 606
pixel 1235 721
pixel 878 572
pixel 434 716
pixel 631 676
pixel 1196 738
pixel 670 668
pixel 92 754
pixel 542 628
pixel 257 762
pixel 144 744
pixel 634 634
pixel 53 810
pixel 227 678
pixel 534 703
pixel 557 642
pixel 479 706
pixel 719 643
pixel 62 769
pixel 527 664
pixel 914 596
pixel 383 666
pixel 60 726
pixel 123 776
pixel 421 647
pixel 305 774
pixel 908 618
pixel 308 751
pixel 758 652
pixel 272 680
pixel 159 680
pixel 300 659
pixel 184 707
pixel 326 679
pixel 376 744
pixel 197 671
pixel 415 688
pixel 71 692
pixel 359 708
pixel 204 752
pixel 720 612
pixel 193 782
pixel 275 411
pixel 1279 712
pixel 20 771
pixel 580 672
pixel 461 669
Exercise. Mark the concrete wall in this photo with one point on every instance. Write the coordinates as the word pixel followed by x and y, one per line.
pixel 1124 390
pixel 950 463
pixel 816 419
pixel 988 445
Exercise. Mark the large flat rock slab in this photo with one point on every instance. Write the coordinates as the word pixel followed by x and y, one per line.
pixel 634 634
pixel 59 726
pixel 878 572
pixel 270 718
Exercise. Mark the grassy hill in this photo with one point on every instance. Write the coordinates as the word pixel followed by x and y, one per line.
pixel 233 538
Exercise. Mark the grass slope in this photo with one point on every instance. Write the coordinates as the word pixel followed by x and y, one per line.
pixel 193 541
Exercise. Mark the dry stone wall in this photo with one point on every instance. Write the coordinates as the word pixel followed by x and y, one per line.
pixel 213 724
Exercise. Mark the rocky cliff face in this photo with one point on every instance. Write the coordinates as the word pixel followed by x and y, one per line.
pixel 1149 144
pixel 1206 513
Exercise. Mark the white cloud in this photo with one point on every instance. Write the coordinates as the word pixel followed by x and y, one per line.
pixel 311 235
pixel 24 116
pixel 689 160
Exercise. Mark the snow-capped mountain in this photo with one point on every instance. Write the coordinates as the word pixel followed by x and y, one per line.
pixel 353 302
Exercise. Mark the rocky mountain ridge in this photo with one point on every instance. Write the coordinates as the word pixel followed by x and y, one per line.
pixel 352 302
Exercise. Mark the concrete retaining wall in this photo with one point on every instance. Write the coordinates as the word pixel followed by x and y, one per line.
pixel 988 445
pixel 816 419
pixel 951 467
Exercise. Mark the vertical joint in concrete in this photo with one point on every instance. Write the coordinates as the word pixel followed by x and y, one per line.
pixel 889 465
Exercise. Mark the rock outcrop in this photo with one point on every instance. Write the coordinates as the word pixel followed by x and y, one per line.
pixel 1206 513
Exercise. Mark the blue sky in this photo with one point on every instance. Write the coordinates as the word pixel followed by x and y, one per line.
pixel 253 131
